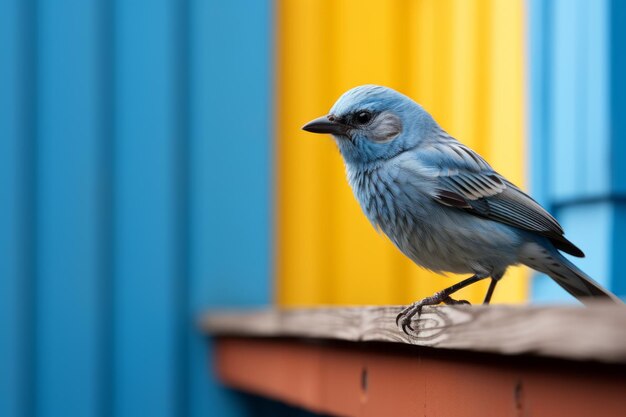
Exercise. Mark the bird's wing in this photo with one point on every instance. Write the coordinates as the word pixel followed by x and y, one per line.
pixel 462 179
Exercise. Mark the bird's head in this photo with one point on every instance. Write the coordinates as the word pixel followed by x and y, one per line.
pixel 371 123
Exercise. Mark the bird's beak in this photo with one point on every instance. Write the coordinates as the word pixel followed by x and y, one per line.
pixel 326 124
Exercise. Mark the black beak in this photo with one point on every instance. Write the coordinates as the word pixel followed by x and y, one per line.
pixel 326 124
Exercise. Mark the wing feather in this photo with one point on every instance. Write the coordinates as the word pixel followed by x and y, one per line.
pixel 464 180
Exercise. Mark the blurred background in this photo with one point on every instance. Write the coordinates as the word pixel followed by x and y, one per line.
pixel 152 167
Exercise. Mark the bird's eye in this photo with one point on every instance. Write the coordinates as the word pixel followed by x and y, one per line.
pixel 363 117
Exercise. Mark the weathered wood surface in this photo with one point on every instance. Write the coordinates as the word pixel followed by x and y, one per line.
pixel 595 333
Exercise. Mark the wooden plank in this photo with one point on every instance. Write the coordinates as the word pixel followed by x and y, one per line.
pixel 593 333
pixel 389 380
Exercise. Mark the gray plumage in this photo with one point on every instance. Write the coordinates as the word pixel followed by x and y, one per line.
pixel 437 200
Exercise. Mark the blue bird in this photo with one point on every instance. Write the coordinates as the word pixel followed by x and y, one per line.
pixel 440 202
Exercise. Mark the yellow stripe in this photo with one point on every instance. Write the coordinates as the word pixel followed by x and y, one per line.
pixel 302 178
pixel 462 60
pixel 363 261
pixel 507 152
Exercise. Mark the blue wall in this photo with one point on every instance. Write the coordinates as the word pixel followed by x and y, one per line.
pixel 135 142
pixel 578 131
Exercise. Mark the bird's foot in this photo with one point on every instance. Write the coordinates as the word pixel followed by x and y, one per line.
pixel 405 318
pixel 452 302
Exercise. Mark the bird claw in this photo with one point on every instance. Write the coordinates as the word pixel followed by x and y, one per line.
pixel 404 319
pixel 407 325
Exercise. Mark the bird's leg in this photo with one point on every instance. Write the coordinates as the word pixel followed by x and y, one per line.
pixel 495 278
pixel 404 318
pixel 492 287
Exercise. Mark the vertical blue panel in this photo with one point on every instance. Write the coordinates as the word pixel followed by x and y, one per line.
pixel 617 47
pixel 56 154
pixel 15 296
pixel 565 79
pixel 148 272
pixel 579 110
pixel 618 250
pixel 539 97
pixel 617 32
pixel 70 340
pixel 591 225
pixel 581 160
pixel 230 148
pixel 596 149
pixel 540 59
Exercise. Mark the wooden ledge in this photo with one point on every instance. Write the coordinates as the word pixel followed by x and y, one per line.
pixel 494 361
pixel 595 333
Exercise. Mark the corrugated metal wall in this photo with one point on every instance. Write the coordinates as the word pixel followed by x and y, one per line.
pixel 134 192
pixel 463 61
pixel 577 62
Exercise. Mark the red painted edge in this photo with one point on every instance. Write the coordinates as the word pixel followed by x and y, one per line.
pixel 355 379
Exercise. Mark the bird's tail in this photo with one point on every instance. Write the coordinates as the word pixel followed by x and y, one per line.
pixel 567 275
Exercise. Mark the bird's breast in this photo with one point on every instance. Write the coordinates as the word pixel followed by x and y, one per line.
pixel 388 202
pixel 432 235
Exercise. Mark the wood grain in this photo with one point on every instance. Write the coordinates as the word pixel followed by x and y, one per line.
pixel 595 333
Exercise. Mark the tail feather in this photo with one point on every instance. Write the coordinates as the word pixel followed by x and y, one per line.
pixel 576 282
pixel 567 275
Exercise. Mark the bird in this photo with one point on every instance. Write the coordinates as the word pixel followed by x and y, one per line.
pixel 440 202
